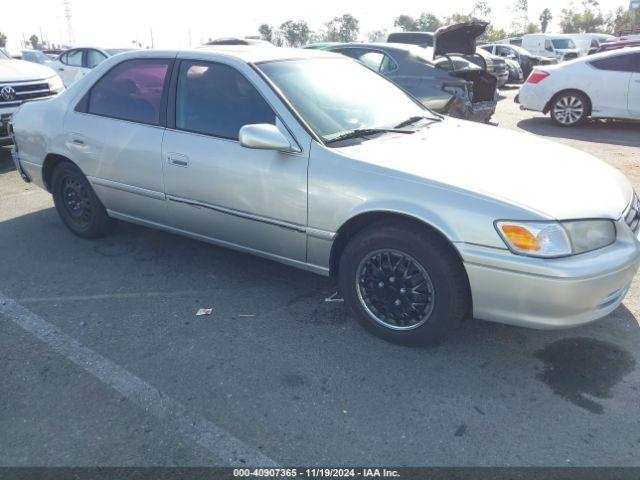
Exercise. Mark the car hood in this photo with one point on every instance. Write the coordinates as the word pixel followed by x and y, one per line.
pixel 545 177
pixel 19 71
pixel 459 38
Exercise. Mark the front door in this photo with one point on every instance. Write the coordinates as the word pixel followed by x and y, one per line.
pixel 217 189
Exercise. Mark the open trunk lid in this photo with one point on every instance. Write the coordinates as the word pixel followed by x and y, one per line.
pixel 459 38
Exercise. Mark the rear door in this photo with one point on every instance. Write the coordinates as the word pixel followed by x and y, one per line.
pixel 115 135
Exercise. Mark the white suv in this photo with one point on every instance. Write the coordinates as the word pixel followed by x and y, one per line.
pixel 21 81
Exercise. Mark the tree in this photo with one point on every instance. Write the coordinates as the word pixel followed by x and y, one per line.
pixel 33 40
pixel 428 22
pixel 492 35
pixel 520 21
pixel 342 29
pixel 623 20
pixel 3 40
pixel 458 18
pixel 266 32
pixel 295 33
pixel 589 20
pixel 481 10
pixel 376 36
pixel 545 18
pixel 406 22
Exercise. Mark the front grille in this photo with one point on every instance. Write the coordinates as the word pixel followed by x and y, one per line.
pixel 25 91
pixel 632 214
pixel 569 56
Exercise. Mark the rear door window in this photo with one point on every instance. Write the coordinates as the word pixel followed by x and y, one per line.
pixel 618 63
pixel 131 91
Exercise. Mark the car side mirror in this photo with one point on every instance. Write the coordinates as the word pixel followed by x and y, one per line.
pixel 264 136
pixel 511 56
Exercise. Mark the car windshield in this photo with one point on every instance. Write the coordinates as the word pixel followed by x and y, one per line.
pixel 337 96
pixel 34 56
pixel 563 43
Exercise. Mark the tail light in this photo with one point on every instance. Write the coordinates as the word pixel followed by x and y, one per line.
pixel 537 76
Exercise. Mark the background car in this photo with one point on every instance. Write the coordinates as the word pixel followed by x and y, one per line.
pixel 35 56
pixel 21 81
pixel 558 46
pixel 603 85
pixel 77 62
pixel 515 72
pixel 496 66
pixel 605 47
pixel 446 85
pixel 526 59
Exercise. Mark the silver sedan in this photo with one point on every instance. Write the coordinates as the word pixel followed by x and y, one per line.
pixel 311 159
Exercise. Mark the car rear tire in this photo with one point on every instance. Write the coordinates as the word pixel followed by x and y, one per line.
pixel 77 204
pixel 404 283
pixel 570 109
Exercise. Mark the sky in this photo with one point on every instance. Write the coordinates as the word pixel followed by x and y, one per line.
pixel 117 23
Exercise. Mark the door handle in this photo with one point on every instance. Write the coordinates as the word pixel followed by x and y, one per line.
pixel 61 69
pixel 77 139
pixel 178 159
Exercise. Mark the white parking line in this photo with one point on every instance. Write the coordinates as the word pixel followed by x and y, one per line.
pixel 172 413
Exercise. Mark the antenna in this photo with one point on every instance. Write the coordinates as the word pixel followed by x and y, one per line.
pixel 66 5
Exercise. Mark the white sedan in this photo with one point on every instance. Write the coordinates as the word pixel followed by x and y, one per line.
pixel 77 62
pixel 604 85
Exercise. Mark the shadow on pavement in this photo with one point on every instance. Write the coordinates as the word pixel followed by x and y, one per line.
pixel 612 132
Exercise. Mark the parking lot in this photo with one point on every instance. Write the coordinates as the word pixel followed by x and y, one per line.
pixel 104 362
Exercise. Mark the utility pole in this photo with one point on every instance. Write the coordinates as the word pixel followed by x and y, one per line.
pixel 66 4
pixel 151 31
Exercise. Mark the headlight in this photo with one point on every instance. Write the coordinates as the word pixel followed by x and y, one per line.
pixel 556 239
pixel 55 84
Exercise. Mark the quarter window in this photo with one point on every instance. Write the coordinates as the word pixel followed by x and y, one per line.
pixel 73 58
pixel 619 63
pixel 131 91
pixel 217 100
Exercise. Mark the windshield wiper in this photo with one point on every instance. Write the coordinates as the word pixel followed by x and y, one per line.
pixel 412 120
pixel 363 132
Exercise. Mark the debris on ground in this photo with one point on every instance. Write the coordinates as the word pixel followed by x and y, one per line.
pixel 335 297
pixel 247 315
pixel 204 311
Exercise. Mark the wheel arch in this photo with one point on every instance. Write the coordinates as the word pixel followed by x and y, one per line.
pixel 51 161
pixel 363 220
pixel 547 107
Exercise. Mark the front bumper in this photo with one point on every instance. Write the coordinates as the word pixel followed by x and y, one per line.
pixel 551 293
pixel 5 116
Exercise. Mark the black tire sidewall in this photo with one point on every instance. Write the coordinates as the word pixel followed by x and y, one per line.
pixel 444 268
pixel 99 223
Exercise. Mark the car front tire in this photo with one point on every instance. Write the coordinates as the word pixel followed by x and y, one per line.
pixel 404 283
pixel 77 204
